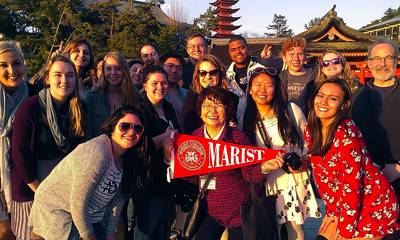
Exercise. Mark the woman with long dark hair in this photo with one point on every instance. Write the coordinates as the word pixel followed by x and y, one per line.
pixel 153 223
pixel 84 195
pixel 273 123
pixel 360 203
pixel 47 126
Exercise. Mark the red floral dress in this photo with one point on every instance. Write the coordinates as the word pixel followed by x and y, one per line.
pixel 352 187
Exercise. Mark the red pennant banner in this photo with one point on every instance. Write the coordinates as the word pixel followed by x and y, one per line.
pixel 197 156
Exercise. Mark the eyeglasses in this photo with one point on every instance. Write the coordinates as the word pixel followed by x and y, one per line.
pixel 388 59
pixel 213 73
pixel 333 61
pixel 208 107
pixel 267 70
pixel 125 127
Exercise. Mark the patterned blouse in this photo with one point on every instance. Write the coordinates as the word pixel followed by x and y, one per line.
pixel 352 187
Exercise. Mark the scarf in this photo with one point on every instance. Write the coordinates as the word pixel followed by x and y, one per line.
pixel 8 106
pixel 46 103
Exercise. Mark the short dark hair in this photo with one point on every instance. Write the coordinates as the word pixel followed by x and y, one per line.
pixel 175 55
pixel 237 38
pixel 147 71
pixel 195 35
pixel 134 61
pixel 220 94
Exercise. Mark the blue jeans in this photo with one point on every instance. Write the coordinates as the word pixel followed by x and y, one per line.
pixel 99 232
pixel 153 213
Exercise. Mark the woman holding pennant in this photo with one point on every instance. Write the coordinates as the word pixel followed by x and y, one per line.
pixel 272 123
pixel 227 190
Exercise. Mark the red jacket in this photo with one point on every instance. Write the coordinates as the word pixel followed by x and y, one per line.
pixel 352 187
pixel 232 187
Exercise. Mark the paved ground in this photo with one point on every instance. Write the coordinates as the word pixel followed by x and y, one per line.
pixel 311 225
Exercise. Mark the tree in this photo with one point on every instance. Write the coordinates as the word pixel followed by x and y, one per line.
pixel 388 14
pixel 279 27
pixel 312 22
pixel 204 23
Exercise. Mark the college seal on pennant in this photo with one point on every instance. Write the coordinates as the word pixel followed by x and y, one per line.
pixel 191 155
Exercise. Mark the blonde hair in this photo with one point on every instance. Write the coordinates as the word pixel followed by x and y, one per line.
pixel 213 60
pixel 76 112
pixel 11 46
pixel 345 74
pixel 128 91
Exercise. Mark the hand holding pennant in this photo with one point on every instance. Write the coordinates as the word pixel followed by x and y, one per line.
pixel 197 156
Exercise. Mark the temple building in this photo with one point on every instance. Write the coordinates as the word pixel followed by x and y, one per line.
pixel 389 29
pixel 330 32
pixel 225 19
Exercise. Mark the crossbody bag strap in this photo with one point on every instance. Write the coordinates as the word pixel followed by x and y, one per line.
pixel 205 186
pixel 292 119
pixel 264 134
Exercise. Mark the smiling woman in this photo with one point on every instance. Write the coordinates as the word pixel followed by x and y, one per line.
pixel 54 118
pixel 84 199
pixel 13 90
pixel 344 171
pixel 115 89
pixel 81 54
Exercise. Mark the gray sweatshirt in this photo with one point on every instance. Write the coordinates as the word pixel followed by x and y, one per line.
pixel 62 198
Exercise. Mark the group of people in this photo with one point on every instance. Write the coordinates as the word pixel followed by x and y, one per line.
pixel 85 145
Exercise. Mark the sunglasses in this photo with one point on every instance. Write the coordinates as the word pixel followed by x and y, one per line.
pixel 213 73
pixel 267 70
pixel 333 61
pixel 125 127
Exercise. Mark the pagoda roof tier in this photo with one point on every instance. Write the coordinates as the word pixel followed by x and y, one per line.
pixel 224 2
pixel 225 10
pixel 224 27
pixel 225 24
pixel 332 28
pixel 227 18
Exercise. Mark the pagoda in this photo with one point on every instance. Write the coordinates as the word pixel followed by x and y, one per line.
pixel 225 19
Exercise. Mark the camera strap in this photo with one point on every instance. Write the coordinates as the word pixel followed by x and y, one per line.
pixel 264 134
pixel 205 186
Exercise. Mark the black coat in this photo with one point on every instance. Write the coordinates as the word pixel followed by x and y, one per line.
pixel 379 122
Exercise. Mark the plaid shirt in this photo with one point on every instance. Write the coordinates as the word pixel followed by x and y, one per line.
pixel 232 187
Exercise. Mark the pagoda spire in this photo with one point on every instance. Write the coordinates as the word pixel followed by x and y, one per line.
pixel 224 11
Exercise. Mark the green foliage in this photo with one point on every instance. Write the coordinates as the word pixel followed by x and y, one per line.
pixel 312 22
pixel 107 25
pixel 388 14
pixel 204 23
pixel 279 27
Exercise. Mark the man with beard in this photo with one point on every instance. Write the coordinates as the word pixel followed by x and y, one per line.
pixel 297 79
pixel 196 47
pixel 376 110
pixel 173 65
pixel 240 70
pixel 149 55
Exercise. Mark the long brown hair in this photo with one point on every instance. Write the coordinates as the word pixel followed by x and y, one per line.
pixel 70 48
pixel 128 91
pixel 213 60
pixel 318 147
pixel 345 75
pixel 76 112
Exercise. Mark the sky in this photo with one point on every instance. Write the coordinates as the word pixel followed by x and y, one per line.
pixel 257 14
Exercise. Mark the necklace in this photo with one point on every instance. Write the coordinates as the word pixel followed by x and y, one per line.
pixel 268 115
